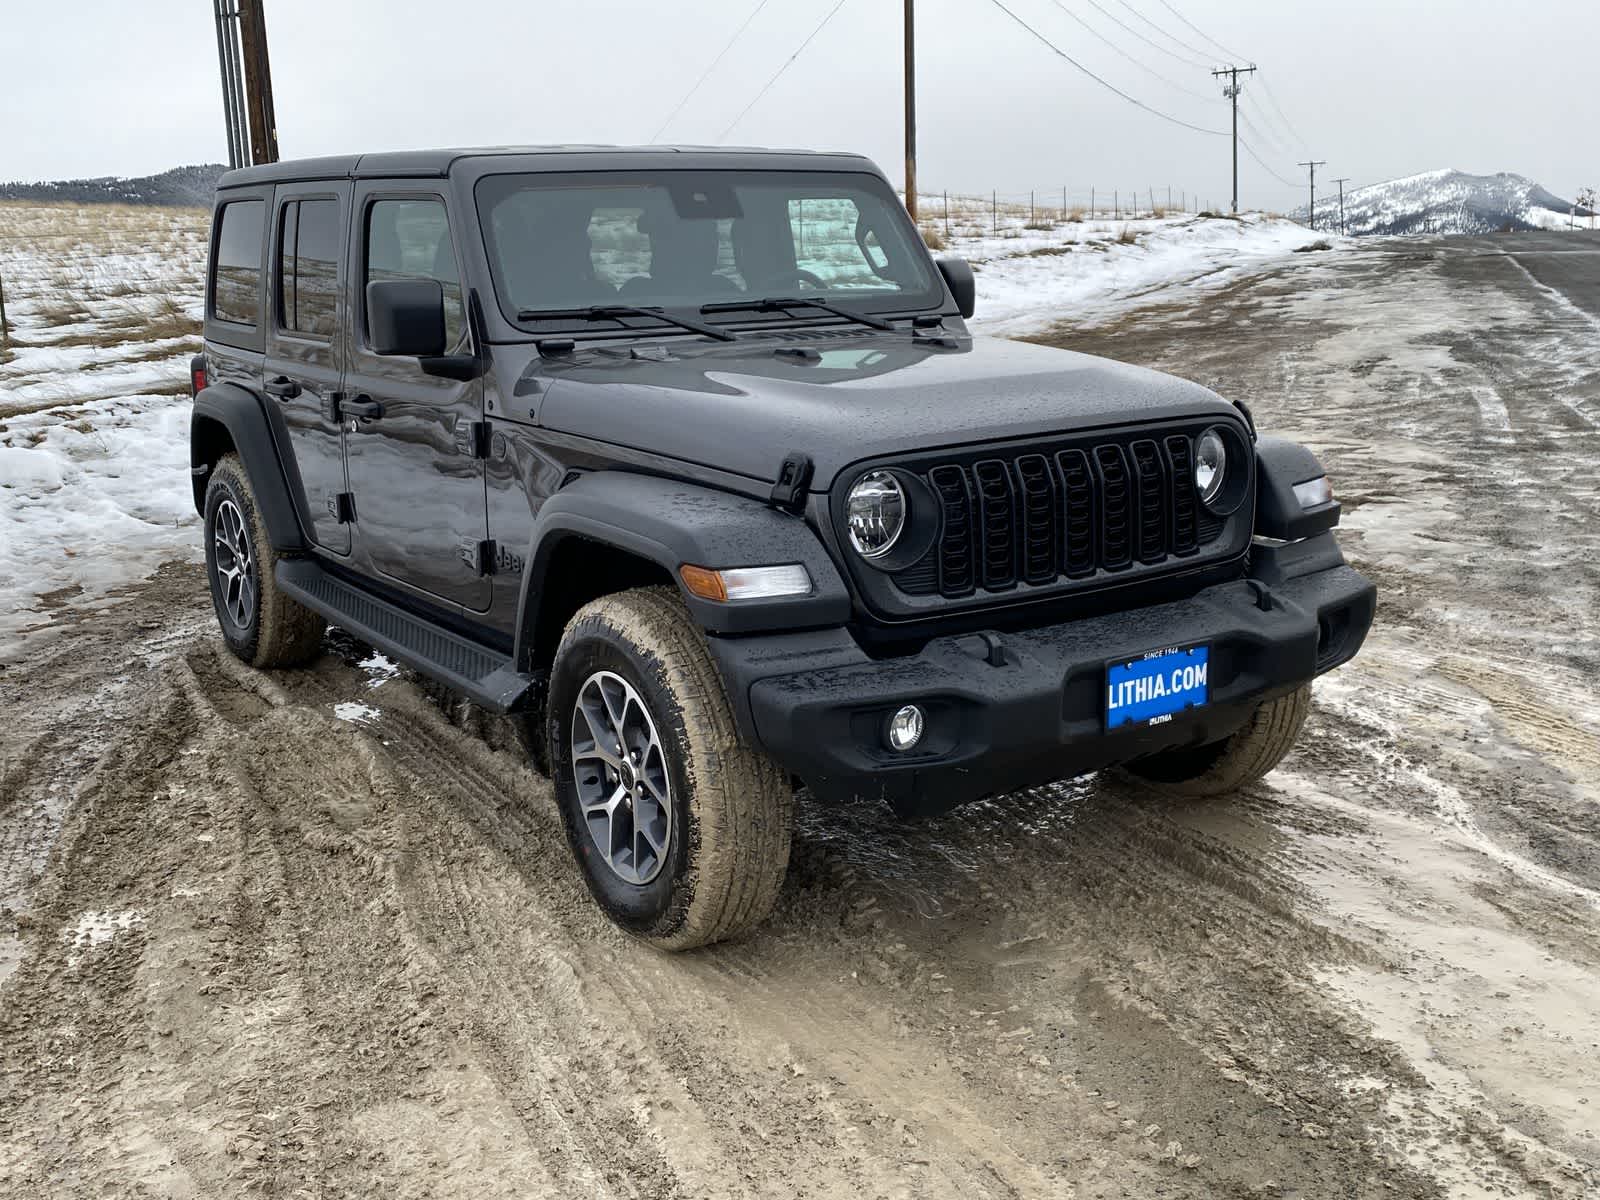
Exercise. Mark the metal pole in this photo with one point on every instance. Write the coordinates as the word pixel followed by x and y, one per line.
pixel 1032 220
pixel 947 214
pixel 911 109
pixel 994 208
pixel 5 326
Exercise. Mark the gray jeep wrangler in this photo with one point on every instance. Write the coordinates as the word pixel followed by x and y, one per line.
pixel 689 457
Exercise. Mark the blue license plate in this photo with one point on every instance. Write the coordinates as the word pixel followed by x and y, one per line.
pixel 1152 689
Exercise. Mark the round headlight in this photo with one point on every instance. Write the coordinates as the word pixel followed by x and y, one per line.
pixel 1210 465
pixel 875 512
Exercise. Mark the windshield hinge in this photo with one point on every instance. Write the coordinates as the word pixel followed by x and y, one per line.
pixel 478 555
pixel 794 477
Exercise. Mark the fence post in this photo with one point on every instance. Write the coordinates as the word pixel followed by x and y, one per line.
pixel 1091 203
pixel 947 215
pixel 994 212
pixel 1033 220
pixel 5 328
pixel 1116 204
pixel 1064 206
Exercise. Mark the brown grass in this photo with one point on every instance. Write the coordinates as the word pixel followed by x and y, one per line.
pixel 1126 236
pixel 933 238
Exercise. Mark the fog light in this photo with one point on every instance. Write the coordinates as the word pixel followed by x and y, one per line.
pixel 905 728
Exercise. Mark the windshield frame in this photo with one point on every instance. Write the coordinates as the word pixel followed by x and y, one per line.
pixel 933 297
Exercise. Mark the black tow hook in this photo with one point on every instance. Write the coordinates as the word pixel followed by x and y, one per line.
pixel 994 649
pixel 1263 595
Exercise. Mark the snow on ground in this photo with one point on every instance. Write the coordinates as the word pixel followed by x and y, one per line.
pixel 1091 269
pixel 104 308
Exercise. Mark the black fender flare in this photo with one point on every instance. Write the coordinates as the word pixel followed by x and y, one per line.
pixel 1280 464
pixel 669 523
pixel 237 411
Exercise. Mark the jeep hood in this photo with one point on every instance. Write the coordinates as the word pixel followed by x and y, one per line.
pixel 741 407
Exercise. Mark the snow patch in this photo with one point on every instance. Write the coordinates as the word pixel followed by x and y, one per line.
pixel 355 713
pixel 96 928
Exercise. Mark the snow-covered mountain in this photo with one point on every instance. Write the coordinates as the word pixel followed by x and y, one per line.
pixel 1445 202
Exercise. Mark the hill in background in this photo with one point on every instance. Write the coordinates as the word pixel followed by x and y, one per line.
pixel 179 187
pixel 1446 202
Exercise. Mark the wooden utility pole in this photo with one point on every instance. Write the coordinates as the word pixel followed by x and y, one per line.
pixel 911 108
pixel 1231 91
pixel 1341 181
pixel 1314 165
pixel 258 83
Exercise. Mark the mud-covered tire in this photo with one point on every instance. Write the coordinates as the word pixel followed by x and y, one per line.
pixel 276 631
pixel 727 848
pixel 1244 757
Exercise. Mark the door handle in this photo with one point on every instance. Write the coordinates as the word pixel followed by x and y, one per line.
pixel 364 407
pixel 282 387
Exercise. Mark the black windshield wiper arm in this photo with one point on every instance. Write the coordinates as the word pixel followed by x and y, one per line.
pixel 779 303
pixel 615 312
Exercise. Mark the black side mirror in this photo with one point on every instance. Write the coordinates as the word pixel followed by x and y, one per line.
pixel 405 317
pixel 958 277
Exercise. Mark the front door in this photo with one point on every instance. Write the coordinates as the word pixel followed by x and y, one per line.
pixel 305 346
pixel 414 471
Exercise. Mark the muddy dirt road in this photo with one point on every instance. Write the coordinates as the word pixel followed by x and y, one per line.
pixel 314 934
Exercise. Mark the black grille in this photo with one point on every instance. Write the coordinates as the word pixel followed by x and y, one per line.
pixel 1038 516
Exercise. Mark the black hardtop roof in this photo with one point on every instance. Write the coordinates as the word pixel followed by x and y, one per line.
pixel 435 164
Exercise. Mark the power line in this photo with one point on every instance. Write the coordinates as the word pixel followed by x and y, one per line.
pixel 1250 150
pixel 1204 57
pixel 1143 67
pixel 779 72
pixel 1226 53
pixel 1269 142
pixel 706 74
pixel 1094 4
pixel 1273 100
pixel 1060 53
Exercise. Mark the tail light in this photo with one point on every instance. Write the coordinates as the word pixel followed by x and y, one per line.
pixel 197 375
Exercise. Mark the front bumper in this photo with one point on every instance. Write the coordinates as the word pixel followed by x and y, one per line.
pixel 1035 712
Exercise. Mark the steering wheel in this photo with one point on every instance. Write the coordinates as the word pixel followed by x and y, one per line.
pixel 798 275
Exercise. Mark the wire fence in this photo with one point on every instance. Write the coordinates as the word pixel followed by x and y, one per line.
pixel 1045 208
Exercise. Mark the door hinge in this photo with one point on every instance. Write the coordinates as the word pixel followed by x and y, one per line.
pixel 342 507
pixel 794 476
pixel 479 555
pixel 472 438
pixel 330 407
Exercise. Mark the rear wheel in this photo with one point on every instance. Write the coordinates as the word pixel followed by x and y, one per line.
pixel 259 623
pixel 1246 756
pixel 682 830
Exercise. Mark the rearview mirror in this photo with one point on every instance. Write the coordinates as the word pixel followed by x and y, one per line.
pixel 958 277
pixel 405 317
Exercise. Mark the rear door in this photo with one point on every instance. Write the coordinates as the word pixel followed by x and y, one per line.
pixel 305 347
pixel 414 466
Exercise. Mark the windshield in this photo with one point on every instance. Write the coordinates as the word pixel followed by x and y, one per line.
pixel 683 239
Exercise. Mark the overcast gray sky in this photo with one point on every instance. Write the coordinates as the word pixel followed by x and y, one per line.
pixel 1379 88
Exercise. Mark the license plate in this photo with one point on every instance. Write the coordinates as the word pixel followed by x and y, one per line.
pixel 1153 688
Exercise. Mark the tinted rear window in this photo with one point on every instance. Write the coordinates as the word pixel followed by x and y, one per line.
pixel 236 286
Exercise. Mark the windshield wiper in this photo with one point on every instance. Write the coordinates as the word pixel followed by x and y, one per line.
pixel 615 312
pixel 779 303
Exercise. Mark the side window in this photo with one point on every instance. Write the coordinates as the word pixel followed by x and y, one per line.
pixel 236 267
pixel 410 239
pixel 308 258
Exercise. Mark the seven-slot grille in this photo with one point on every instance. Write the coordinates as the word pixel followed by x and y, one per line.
pixel 1041 515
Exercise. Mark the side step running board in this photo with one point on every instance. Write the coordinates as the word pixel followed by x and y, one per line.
pixel 483 676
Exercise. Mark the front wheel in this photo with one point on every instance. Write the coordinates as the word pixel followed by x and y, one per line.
pixel 1240 759
pixel 682 830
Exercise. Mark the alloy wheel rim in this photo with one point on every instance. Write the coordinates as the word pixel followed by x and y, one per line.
pixel 235 563
pixel 620 768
